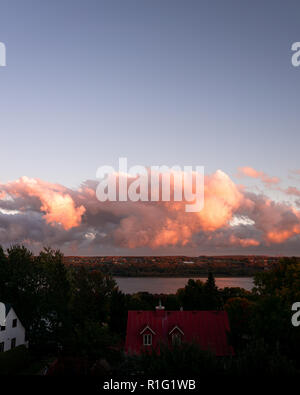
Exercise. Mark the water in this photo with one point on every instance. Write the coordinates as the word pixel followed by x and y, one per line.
pixel 169 285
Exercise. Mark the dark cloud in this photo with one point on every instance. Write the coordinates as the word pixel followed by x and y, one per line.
pixel 37 213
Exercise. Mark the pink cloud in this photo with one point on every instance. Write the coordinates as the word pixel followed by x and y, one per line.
pixel 252 173
pixel 53 214
pixel 243 242
pixel 292 191
pixel 55 202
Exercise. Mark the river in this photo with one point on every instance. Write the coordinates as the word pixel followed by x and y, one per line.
pixel 169 285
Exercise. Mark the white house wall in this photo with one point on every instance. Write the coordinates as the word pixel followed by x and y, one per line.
pixel 9 333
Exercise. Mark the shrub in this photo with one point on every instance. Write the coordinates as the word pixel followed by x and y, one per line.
pixel 13 361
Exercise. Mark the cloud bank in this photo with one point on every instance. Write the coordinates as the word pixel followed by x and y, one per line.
pixel 38 213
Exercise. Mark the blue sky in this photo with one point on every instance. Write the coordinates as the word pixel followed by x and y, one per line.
pixel 188 82
pixel 160 82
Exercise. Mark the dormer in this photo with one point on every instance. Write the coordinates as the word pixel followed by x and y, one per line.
pixel 176 335
pixel 147 334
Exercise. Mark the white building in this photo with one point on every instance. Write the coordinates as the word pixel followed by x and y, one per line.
pixel 12 332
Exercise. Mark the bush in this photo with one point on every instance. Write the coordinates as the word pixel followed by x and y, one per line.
pixel 187 359
pixel 13 361
pixel 260 360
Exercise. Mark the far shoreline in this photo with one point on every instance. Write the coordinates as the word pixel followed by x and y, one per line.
pixel 187 276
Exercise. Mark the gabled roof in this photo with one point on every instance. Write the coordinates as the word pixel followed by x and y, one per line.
pixel 176 328
pixel 207 328
pixel 4 310
pixel 147 327
pixel 7 308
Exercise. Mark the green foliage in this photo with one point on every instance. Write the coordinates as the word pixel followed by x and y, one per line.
pixel 234 292
pixel 118 312
pixel 283 281
pixel 80 312
pixel 171 302
pixel 186 359
pixel 275 292
pixel 90 295
pixel 19 286
pixel 239 311
pixel 52 301
pixel 53 290
pixel 142 301
pixel 13 361
pixel 197 295
pixel 260 360
pixel 92 340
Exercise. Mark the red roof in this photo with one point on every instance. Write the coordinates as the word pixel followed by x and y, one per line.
pixel 207 328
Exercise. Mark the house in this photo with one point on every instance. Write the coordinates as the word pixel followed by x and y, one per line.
pixel 147 329
pixel 12 332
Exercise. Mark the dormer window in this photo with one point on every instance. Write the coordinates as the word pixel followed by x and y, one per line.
pixel 176 335
pixel 147 339
pixel 176 339
pixel 147 334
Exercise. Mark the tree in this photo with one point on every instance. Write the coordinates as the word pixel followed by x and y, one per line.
pixel 186 359
pixel 20 285
pixel 197 295
pixel 240 313
pixel 3 274
pixel 275 291
pixel 210 284
pixel 53 288
pixel 234 292
pixel 118 311
pixel 212 297
pixel 191 296
pixel 91 340
pixel 90 293
pixel 283 279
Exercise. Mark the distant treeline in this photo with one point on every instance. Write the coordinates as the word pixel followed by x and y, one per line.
pixel 173 270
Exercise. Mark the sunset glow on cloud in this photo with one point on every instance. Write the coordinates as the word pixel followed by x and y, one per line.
pixel 47 213
pixel 57 205
pixel 252 173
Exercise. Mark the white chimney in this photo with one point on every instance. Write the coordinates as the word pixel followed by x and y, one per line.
pixel 160 307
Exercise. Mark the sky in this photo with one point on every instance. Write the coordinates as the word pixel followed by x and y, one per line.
pixel 162 83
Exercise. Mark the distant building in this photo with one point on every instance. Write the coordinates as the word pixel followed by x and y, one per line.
pixel 148 329
pixel 12 332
